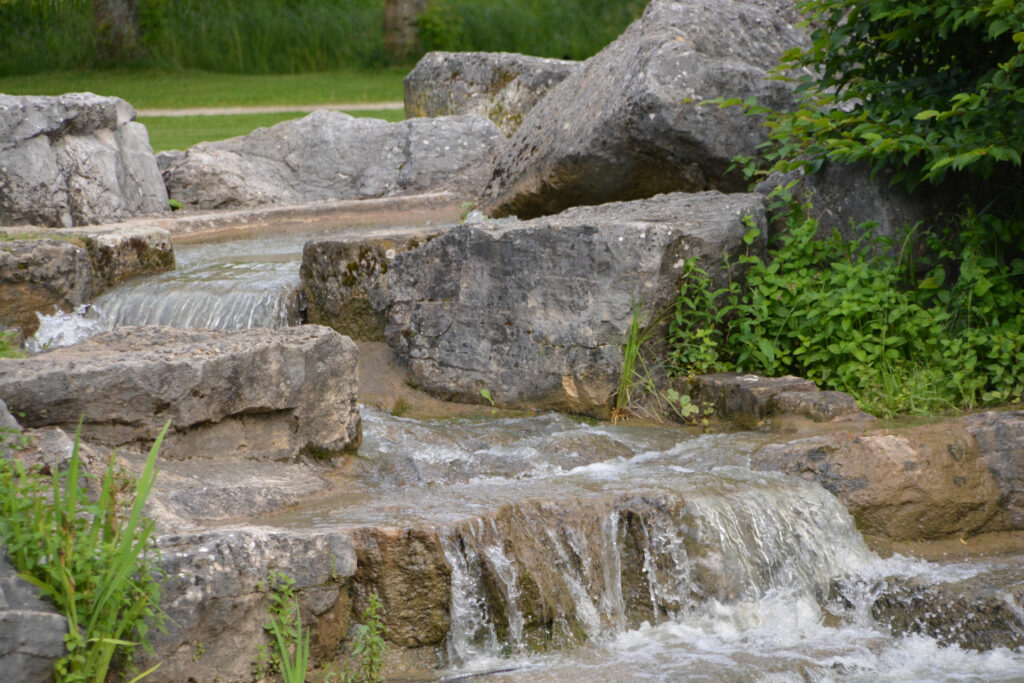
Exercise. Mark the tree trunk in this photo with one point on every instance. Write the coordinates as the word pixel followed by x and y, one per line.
pixel 401 34
pixel 117 29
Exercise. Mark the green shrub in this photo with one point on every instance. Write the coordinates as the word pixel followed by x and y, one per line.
pixel 852 318
pixel 920 88
pixel 45 35
pixel 290 653
pixel 95 560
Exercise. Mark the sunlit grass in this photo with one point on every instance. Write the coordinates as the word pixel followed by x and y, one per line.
pixel 154 89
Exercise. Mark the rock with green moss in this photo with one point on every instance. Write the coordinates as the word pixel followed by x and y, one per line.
pixel 502 86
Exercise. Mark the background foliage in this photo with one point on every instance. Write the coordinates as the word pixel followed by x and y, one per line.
pixel 292 36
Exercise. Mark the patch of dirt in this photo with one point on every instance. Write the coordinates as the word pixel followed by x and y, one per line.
pixel 384 384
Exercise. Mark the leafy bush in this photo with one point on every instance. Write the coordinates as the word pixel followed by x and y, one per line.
pixel 368 646
pixel 852 318
pixel 920 88
pixel 97 565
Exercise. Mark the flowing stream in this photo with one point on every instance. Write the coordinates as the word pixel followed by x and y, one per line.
pixel 594 552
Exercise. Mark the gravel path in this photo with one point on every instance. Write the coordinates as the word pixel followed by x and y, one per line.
pixel 272 109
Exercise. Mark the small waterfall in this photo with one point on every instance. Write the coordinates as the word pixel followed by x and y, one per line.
pixel 540 575
pixel 213 287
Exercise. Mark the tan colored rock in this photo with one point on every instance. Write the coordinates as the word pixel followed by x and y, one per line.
pixel 924 482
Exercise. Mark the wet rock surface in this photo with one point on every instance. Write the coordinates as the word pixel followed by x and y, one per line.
pixel 75 159
pixel 534 311
pixel 269 394
pixel 498 85
pixel 1000 438
pixel 39 275
pixel 330 155
pixel 31 630
pixel 981 613
pixel 626 123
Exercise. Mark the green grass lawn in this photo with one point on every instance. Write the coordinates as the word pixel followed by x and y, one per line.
pixel 181 132
pixel 150 89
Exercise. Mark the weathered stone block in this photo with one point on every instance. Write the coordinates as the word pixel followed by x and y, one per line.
pixel 501 86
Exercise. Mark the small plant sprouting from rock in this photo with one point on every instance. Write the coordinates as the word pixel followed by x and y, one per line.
pixel 289 654
pixel 368 646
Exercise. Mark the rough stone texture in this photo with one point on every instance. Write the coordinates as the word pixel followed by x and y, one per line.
pixel 626 125
pixel 535 311
pixel 38 275
pixel 750 400
pixel 31 630
pixel 501 86
pixel 922 482
pixel 338 272
pixel 975 613
pixel 7 420
pixel 129 250
pixel 331 155
pixel 1000 439
pixel 216 596
pixel 75 159
pixel 265 393
pixel 407 570
pixel 844 196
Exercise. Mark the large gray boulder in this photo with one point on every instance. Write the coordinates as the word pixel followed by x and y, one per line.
pixel 31 629
pixel 331 155
pixel 265 393
pixel 535 311
pixel 501 86
pixel 75 159
pixel 627 125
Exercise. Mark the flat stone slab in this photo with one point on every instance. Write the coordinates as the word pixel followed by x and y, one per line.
pixel 265 393
pixel 535 311
pixel 501 86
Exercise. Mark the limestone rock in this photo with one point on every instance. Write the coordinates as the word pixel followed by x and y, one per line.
pixel 38 275
pixel 217 596
pixel 266 393
pixel 75 159
pixel 31 629
pixel 339 272
pixel 626 124
pixel 331 155
pixel 7 420
pixel 922 482
pixel 1000 439
pixel 968 613
pixel 125 251
pixel 535 311
pixel 501 86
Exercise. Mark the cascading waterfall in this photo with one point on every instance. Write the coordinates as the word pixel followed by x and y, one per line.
pixel 540 575
pixel 232 286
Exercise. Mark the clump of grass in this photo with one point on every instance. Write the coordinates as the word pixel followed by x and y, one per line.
pixel 98 566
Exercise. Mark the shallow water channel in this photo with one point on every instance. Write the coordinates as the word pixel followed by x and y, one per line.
pixel 591 551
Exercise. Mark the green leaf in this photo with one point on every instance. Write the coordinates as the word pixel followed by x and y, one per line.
pixel 926 114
